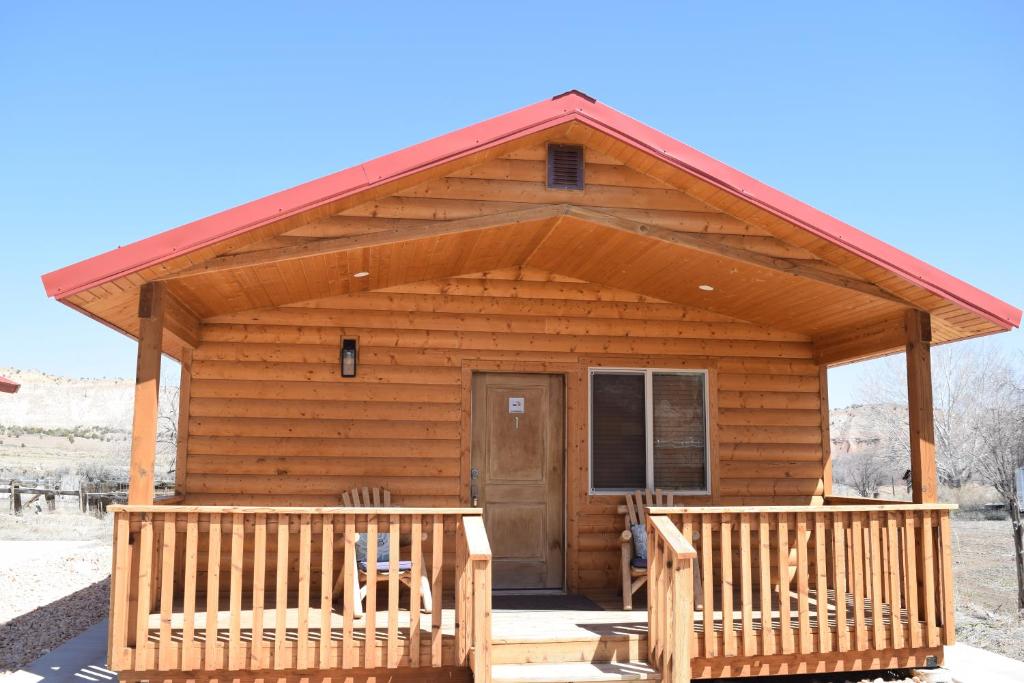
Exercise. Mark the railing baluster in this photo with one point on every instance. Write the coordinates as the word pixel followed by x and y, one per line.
pixel 928 569
pixel 803 586
pixel 281 656
pixel 946 556
pixel 211 660
pixel 235 592
pixel 728 632
pixel 189 647
pixel 165 656
pixel 910 550
pixel 143 596
pixel 840 554
pixel 746 587
pixel 302 659
pixel 895 614
pixel 707 567
pixel 785 624
pixel 259 576
pixel 370 656
pixel 394 653
pixel 877 599
pixel 415 575
pixel 326 660
pixel 764 543
pixel 436 591
pixel 821 584
pixel 655 593
pixel 857 552
pixel 351 591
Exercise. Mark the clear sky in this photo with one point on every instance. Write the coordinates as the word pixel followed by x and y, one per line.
pixel 121 120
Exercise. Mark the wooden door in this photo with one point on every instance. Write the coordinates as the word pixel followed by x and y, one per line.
pixel 518 475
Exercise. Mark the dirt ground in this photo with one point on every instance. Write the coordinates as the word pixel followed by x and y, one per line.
pixel 54 571
pixel 985 585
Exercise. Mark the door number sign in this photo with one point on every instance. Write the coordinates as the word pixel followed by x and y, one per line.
pixel 516 405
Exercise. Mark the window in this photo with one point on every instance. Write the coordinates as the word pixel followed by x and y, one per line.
pixel 648 429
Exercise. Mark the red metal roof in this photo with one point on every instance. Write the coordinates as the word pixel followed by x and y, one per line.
pixel 8 386
pixel 570 106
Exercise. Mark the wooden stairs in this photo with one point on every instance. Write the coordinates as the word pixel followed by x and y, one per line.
pixel 581 651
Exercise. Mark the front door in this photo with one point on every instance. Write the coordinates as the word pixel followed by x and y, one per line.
pixel 518 475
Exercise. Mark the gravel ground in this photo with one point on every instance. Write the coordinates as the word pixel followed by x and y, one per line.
pixel 53 590
pixel 54 573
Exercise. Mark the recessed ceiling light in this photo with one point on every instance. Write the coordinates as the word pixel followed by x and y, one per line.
pixel 361 273
pixel 706 288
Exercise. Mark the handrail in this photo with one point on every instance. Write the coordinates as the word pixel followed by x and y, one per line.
pixel 476 538
pixel 784 509
pixel 670 562
pixel 677 543
pixel 473 597
pixel 289 510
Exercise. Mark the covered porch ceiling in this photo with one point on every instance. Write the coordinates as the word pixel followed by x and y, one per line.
pixel 573 241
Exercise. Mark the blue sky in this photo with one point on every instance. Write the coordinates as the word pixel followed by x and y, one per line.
pixel 121 120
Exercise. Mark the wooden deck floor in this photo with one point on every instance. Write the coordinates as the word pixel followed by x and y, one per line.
pixel 525 630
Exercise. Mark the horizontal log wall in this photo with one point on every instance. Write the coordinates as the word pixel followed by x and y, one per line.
pixel 271 421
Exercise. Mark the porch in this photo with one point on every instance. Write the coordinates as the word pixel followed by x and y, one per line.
pixel 782 590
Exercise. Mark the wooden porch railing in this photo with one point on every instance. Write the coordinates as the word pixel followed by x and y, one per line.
pixel 670 603
pixel 473 578
pixel 806 580
pixel 201 588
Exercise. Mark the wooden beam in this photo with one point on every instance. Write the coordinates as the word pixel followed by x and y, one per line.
pixel 698 243
pixel 826 434
pixel 147 392
pixel 922 416
pixel 340 244
pixel 180 321
pixel 864 340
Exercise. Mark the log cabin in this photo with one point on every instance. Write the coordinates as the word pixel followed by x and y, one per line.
pixel 506 329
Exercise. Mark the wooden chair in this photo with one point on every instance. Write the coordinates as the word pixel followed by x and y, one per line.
pixel 370 498
pixel 634 569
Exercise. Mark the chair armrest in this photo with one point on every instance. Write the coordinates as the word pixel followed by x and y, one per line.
pixel 626 536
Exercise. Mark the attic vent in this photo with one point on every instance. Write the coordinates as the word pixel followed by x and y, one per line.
pixel 565 167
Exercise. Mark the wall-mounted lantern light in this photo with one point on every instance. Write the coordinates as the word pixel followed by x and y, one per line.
pixel 348 357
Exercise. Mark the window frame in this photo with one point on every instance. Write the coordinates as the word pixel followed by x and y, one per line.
pixel 648 374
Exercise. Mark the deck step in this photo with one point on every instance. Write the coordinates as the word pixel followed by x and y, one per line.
pixel 572 672
pixel 603 645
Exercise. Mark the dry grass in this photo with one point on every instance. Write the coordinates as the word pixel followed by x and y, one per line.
pixel 986 587
pixel 66 524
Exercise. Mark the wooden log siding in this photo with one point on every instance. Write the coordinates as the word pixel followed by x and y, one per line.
pixel 815 583
pixel 265 613
pixel 272 423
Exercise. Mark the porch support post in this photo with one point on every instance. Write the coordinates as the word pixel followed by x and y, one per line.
pixel 147 392
pixel 919 398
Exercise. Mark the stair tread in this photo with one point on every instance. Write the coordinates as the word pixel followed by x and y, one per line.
pixel 583 672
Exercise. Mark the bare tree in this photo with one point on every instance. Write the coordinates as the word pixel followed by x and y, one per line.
pixel 1001 430
pixel 167 429
pixel 959 374
pixel 864 472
